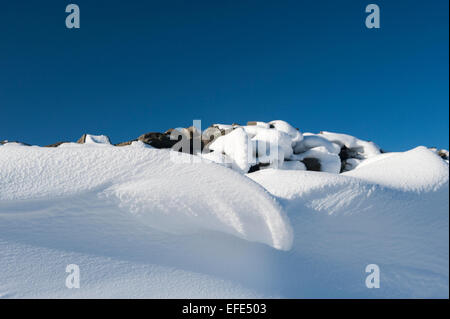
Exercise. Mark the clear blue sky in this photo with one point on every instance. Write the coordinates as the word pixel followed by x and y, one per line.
pixel 140 66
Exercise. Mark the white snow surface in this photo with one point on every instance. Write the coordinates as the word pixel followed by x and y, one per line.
pixel 142 226
pixel 97 139
pixel 237 146
pixel 368 149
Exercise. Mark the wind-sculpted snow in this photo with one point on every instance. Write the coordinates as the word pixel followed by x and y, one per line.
pixel 392 212
pixel 173 197
pixel 140 224
pixel 417 170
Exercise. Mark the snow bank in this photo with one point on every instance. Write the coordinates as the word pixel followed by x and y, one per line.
pixel 141 225
pixel 179 198
pixel 392 212
pixel 418 170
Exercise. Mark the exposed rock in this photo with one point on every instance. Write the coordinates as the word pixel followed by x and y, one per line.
pixel 209 135
pixel 82 139
pixel 312 164
pixel 94 139
pixel 443 154
pixel 257 167
pixel 260 124
pixel 157 140
pixel 348 154
pixel 125 143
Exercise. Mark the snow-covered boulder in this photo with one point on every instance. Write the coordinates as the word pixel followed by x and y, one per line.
pixel 293 165
pixel 259 124
pixel 329 162
pixel 443 153
pixel 238 147
pixel 364 148
pixel 94 139
pixel 273 141
pixel 314 140
pixel 285 127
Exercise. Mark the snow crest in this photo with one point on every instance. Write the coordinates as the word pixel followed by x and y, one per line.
pixel 174 197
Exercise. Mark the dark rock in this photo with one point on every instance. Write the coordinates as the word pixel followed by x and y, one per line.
pixel 257 167
pixel 347 153
pixel 443 154
pixel 209 135
pixel 125 143
pixel 157 140
pixel 82 139
pixel 312 164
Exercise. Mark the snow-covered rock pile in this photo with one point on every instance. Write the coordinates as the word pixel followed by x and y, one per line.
pixel 277 144
pixel 257 145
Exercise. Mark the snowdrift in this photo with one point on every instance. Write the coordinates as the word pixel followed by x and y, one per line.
pixel 143 225
pixel 393 212
pixel 174 197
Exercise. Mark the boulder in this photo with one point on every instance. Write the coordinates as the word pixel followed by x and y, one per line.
pixel 82 139
pixel 312 164
pixel 157 140
pixel 257 167
pixel 443 154
pixel 209 135
pixel 94 139
pixel 125 143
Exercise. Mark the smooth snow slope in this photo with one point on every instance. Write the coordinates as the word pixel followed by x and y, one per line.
pixel 141 225
pixel 130 218
pixel 392 212
pixel 175 197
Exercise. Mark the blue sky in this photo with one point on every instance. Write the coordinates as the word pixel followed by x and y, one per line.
pixel 140 66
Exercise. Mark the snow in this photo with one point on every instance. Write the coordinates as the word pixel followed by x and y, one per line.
pixel 367 149
pixel 392 212
pixel 141 225
pixel 293 165
pixel 329 162
pixel 260 124
pixel 237 146
pixel 285 127
pixel 268 140
pixel 97 139
pixel 144 182
pixel 394 170
pixel 274 142
pixel 314 140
